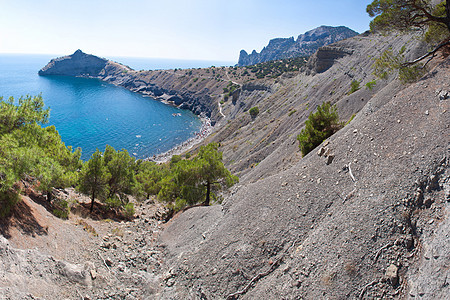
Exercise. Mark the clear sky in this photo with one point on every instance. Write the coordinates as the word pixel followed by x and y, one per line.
pixel 180 29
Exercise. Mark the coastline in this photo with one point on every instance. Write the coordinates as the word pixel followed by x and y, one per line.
pixel 205 130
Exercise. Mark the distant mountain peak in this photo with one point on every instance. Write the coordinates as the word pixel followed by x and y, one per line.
pixel 305 45
pixel 78 52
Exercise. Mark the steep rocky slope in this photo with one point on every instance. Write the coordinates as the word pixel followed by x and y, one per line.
pixel 372 223
pixel 267 144
pixel 45 257
pixel 305 45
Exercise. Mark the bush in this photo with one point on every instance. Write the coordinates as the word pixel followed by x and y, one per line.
pixel 254 111
pixel 371 84
pixel 354 86
pixel 319 126
pixel 7 201
pixel 129 210
pixel 61 209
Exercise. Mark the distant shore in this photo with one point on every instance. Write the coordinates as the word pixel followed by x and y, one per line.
pixel 199 136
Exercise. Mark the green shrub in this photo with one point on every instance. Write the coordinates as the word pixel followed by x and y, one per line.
pixel 7 201
pixel 61 213
pixel 319 126
pixel 354 86
pixel 129 210
pixel 113 202
pixel 254 111
pixel 371 84
pixel 292 112
pixel 61 209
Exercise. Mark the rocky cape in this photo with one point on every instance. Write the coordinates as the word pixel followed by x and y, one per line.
pixel 305 45
pixel 176 87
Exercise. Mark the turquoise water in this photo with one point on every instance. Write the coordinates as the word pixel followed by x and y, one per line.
pixel 90 114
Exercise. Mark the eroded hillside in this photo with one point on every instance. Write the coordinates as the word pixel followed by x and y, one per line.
pixel 364 226
pixel 372 223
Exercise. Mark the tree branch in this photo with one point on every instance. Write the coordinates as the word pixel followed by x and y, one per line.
pixel 409 63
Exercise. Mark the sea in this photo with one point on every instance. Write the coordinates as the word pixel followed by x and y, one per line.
pixel 91 114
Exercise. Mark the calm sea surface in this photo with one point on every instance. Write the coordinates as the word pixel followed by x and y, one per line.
pixel 91 114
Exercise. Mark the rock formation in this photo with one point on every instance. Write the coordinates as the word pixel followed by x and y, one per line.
pixel 77 64
pixel 305 45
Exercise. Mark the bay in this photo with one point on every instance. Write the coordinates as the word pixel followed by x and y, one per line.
pixel 91 114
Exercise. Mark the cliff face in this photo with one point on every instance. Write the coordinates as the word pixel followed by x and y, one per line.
pixel 77 64
pixel 305 45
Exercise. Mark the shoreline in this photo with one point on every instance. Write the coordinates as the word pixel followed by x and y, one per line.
pixel 205 130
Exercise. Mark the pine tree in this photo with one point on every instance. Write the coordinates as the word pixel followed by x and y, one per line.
pixel 319 126
pixel 94 177
pixel 406 15
pixel 197 180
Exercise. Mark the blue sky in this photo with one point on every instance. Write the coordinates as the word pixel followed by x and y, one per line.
pixel 180 29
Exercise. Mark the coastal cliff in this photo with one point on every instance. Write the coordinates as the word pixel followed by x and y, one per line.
pixel 77 64
pixel 177 87
pixel 305 45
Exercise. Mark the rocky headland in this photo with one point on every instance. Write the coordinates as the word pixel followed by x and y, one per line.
pixel 364 216
pixel 177 87
pixel 305 45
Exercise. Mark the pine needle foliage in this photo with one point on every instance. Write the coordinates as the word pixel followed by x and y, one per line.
pixel 319 126
pixel 408 15
pixel 197 180
pixel 29 151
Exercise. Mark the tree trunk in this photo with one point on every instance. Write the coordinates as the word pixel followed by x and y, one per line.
pixel 49 196
pixel 92 202
pixel 208 193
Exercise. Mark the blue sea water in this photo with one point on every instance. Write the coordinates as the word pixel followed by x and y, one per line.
pixel 91 114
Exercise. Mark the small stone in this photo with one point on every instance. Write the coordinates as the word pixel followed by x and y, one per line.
pixel 431 221
pixel 108 262
pixel 409 242
pixel 330 159
pixel 443 95
pixel 93 274
pixel 427 112
pixel 321 151
pixel 392 274
pixel 355 131
pixel 398 121
pixel 428 202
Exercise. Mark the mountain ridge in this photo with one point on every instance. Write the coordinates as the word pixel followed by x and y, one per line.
pixel 305 45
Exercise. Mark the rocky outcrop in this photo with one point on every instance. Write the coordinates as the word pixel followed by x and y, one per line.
pixel 305 45
pixel 77 64
pixel 325 57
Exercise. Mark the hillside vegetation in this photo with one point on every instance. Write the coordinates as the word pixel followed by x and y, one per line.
pixel 364 214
